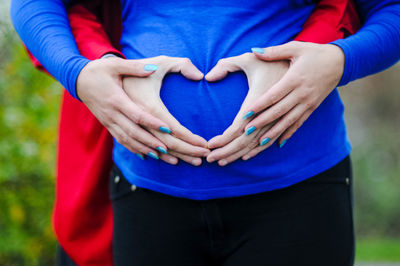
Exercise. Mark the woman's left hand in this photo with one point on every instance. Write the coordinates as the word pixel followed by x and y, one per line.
pixel 314 71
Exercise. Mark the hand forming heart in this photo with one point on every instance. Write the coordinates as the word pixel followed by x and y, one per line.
pixel 145 92
pixel 279 100
pixel 314 71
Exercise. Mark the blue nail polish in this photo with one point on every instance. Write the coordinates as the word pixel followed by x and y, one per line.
pixel 165 130
pixel 150 67
pixel 248 115
pixel 258 50
pixel 140 156
pixel 153 155
pixel 161 149
pixel 282 143
pixel 250 130
pixel 264 141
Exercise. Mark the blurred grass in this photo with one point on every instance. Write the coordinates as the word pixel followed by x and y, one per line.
pixel 378 249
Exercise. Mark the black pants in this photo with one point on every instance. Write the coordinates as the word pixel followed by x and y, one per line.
pixel 308 224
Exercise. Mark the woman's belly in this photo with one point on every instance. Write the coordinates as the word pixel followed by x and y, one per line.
pixel 206 31
pixel 205 108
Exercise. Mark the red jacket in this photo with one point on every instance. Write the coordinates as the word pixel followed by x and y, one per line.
pixel 82 215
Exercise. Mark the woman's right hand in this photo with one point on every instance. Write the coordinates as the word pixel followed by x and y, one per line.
pixel 100 87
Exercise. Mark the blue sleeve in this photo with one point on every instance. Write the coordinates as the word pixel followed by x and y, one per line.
pixel 376 46
pixel 44 28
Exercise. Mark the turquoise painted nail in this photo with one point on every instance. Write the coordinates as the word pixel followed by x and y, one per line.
pixel 140 156
pixel 264 141
pixel 150 67
pixel 250 130
pixel 248 115
pixel 258 50
pixel 161 149
pixel 165 130
pixel 153 155
pixel 282 143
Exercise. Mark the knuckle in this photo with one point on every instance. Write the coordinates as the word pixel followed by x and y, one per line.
pixel 172 145
pixel 122 139
pixel 243 144
pixel 186 60
pixel 290 120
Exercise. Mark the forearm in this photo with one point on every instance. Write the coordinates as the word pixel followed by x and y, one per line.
pixel 377 45
pixel 44 28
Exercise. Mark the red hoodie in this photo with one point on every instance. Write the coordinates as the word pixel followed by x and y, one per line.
pixel 82 215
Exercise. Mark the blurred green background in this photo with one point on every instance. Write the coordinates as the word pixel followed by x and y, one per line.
pixel 29 103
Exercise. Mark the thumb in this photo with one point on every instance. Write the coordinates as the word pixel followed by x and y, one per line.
pixel 132 67
pixel 221 69
pixel 280 52
pixel 186 67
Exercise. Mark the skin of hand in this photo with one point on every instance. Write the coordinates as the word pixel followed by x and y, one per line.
pixel 235 142
pixel 145 92
pixel 314 71
pixel 100 87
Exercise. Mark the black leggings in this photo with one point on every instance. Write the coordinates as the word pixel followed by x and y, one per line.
pixel 309 223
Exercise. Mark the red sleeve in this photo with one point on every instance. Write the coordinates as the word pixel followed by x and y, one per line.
pixel 331 20
pixel 89 33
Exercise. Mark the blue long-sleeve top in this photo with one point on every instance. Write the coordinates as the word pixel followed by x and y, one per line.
pixel 205 33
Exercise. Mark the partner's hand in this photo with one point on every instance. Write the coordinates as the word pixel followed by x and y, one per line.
pixel 235 142
pixel 145 92
pixel 99 86
pixel 315 70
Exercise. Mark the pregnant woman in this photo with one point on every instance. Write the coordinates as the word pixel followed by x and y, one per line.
pixel 255 211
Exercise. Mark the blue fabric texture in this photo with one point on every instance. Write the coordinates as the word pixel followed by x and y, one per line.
pixel 205 32
pixel 377 45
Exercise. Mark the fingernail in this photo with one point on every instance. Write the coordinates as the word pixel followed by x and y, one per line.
pixel 165 130
pixel 223 162
pixel 282 143
pixel 258 50
pixel 140 156
pixel 150 67
pixel 246 157
pixel 250 130
pixel 248 115
pixel 153 155
pixel 173 161
pixel 196 161
pixel 161 149
pixel 264 141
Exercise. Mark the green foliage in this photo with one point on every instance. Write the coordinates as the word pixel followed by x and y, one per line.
pixel 28 121
pixel 371 249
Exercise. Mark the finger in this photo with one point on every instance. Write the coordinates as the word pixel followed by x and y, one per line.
pixel 293 128
pixel 233 157
pixel 138 133
pixel 177 129
pixel 177 145
pixel 252 153
pixel 280 52
pixel 275 111
pixel 233 131
pixel 222 68
pixel 168 158
pixel 131 144
pixel 140 117
pixel 285 122
pixel 132 67
pixel 187 69
pixel 279 90
pixel 241 143
pixel 196 161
